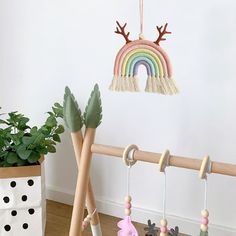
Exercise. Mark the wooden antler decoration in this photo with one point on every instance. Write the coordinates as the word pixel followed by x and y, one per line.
pixel 161 34
pixel 121 30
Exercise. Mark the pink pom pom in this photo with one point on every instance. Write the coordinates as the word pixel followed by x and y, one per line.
pixel 163 229
pixel 128 205
pixel 205 221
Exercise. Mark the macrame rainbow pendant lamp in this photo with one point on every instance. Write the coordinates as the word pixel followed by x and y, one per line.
pixel 149 54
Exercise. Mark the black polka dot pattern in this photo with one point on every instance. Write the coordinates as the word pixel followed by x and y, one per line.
pixel 13 184
pixel 30 182
pixel 14 213
pixel 6 199
pixel 25 226
pixel 24 198
pixel 7 227
pixel 31 211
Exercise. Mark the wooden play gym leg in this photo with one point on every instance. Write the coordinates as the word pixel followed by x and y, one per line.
pixel 77 140
pixel 82 187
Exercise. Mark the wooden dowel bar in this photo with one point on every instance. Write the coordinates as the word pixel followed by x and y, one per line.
pixel 223 168
pixel 176 161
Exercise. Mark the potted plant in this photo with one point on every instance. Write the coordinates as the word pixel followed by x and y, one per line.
pixel 22 150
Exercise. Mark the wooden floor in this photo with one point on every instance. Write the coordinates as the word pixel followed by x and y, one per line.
pixel 58 222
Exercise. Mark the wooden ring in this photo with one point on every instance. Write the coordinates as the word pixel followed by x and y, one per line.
pixel 205 167
pixel 164 160
pixel 128 154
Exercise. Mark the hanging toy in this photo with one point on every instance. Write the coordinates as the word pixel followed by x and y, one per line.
pixel 146 53
pixel 87 220
pixel 204 223
pixel 125 225
pixel 174 232
pixel 151 229
pixel 164 161
pixel 205 168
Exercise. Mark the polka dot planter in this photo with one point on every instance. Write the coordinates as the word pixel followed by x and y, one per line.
pixel 22 201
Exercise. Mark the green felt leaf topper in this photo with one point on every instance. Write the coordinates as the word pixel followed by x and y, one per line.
pixel 203 233
pixel 93 111
pixel 72 114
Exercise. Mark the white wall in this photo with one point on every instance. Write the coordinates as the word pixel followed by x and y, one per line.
pixel 45 45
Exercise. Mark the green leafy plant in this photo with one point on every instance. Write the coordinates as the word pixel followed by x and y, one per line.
pixel 22 145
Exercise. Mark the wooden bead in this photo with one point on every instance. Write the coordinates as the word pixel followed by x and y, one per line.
pixel 127 212
pixel 128 205
pixel 128 199
pixel 141 36
pixel 163 229
pixel 205 221
pixel 163 234
pixel 205 213
pixel 204 228
pixel 88 218
pixel 164 222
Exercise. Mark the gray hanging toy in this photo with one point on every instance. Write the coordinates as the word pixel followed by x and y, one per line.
pixel 151 229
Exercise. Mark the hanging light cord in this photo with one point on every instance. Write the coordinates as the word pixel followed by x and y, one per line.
pixel 141 18
pixel 205 196
pixel 164 197
pixel 128 180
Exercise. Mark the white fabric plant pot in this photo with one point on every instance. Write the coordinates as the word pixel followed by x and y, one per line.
pixel 22 201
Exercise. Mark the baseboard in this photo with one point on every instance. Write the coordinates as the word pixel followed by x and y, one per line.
pixel 56 194
pixel 187 226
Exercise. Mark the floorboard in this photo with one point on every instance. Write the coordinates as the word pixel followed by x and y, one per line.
pixel 58 222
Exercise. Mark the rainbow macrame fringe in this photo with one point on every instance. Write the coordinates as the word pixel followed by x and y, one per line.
pixel 153 58
pixel 153 85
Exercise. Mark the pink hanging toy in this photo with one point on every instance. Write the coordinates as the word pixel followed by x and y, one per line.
pixel 125 225
pixel 127 228
pixel 205 169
